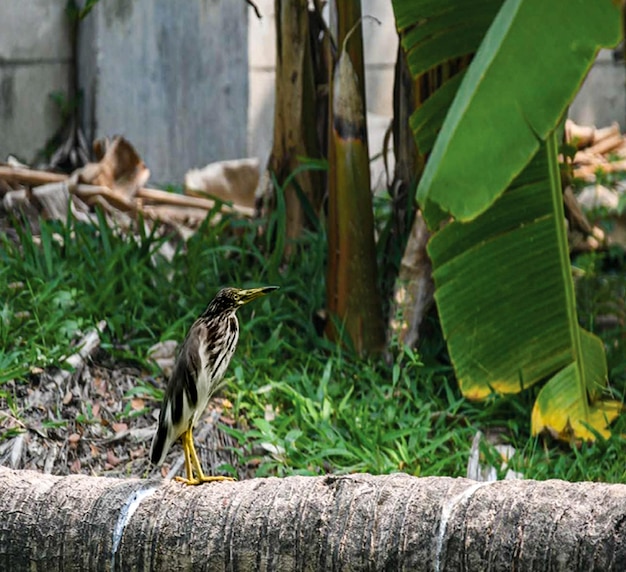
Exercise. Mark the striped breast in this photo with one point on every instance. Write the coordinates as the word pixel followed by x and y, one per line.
pixel 216 351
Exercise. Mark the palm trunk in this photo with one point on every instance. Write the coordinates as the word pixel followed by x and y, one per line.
pixel 355 522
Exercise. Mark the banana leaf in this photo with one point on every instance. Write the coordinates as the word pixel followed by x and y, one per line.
pixel 529 66
pixel 504 287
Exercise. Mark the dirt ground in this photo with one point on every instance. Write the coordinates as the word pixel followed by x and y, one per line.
pixel 87 422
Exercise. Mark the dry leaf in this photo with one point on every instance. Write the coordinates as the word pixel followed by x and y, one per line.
pixel 164 355
pixel 100 385
pixel 269 413
pixel 137 453
pixel 228 420
pixel 119 427
pixel 120 167
pixel 137 403
pixel 112 459
pixel 54 198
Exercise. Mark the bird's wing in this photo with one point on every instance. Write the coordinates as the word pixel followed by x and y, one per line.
pixel 184 377
pixel 181 395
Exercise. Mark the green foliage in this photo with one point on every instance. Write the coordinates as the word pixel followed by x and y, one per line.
pixel 323 417
pixel 75 275
pixel 77 12
pixel 601 292
pixel 303 405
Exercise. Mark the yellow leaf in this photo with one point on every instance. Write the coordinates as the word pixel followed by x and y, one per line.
pixel 564 410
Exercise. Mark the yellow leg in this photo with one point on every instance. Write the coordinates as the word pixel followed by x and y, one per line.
pixel 191 459
pixel 188 469
pixel 184 438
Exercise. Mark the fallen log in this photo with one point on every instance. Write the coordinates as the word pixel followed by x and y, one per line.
pixel 355 522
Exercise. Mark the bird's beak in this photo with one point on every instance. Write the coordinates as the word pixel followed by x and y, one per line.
pixel 246 296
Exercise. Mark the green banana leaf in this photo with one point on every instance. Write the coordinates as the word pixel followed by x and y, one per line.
pixel 527 69
pixel 434 33
pixel 503 279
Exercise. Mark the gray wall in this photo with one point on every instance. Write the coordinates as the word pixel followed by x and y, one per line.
pixel 602 98
pixel 172 77
pixel 35 60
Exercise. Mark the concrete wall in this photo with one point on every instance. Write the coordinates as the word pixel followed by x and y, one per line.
pixel 602 97
pixel 171 77
pixel 35 60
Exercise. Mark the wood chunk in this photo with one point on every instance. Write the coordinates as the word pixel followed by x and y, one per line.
pixel 231 181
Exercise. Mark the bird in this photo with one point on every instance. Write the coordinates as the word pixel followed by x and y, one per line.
pixel 198 373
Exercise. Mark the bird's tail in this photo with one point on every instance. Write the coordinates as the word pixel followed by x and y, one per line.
pixel 160 444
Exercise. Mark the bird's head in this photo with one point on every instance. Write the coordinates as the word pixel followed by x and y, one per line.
pixel 230 299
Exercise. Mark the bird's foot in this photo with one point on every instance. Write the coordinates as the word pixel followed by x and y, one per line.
pixel 203 479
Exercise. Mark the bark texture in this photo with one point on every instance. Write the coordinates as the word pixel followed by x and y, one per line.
pixel 414 288
pixel 356 522
pixel 295 112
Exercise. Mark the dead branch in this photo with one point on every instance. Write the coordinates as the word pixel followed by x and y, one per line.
pixel 38 178
pixel 53 190
pixel 165 198
pixel 414 289
pixel 606 145
pixel 30 176
pixel 596 149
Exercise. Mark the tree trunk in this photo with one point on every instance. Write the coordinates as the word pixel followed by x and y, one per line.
pixel 352 295
pixel 295 112
pixel 356 522
pixel 414 288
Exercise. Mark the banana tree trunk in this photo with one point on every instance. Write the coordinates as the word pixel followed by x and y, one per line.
pixel 414 287
pixel 356 522
pixel 351 281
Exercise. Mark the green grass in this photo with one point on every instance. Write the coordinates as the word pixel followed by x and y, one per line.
pixel 308 406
